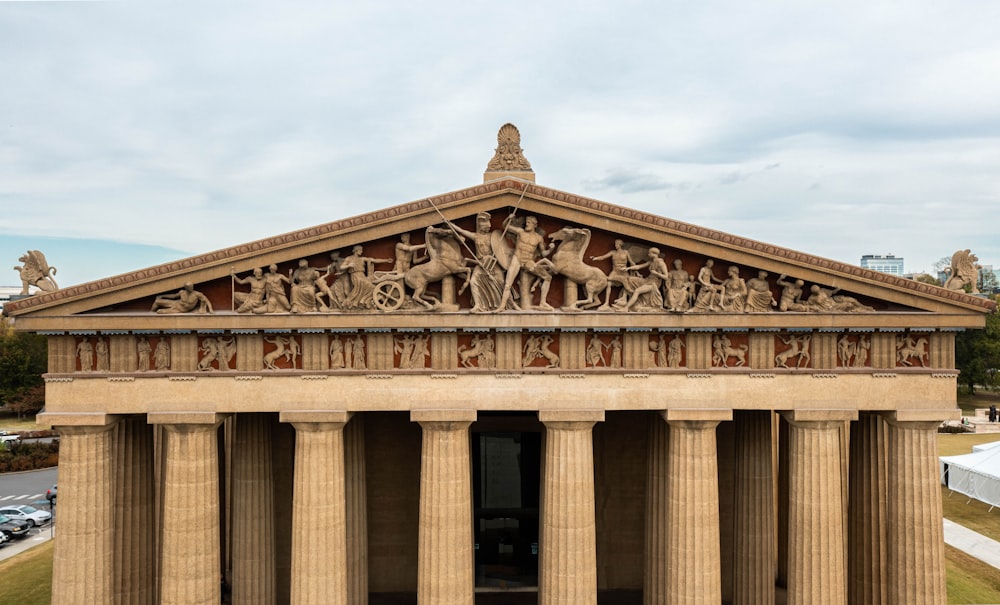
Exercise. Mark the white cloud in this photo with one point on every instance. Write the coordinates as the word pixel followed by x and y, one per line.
pixel 841 130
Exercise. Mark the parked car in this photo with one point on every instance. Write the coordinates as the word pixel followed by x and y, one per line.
pixel 29 514
pixel 50 494
pixel 13 528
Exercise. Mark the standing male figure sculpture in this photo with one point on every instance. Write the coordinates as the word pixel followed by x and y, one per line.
pixel 530 240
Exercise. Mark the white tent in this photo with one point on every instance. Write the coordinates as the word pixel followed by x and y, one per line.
pixel 976 475
pixel 985 446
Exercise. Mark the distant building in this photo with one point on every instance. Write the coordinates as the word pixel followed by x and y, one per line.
pixel 989 279
pixel 886 264
pixel 6 292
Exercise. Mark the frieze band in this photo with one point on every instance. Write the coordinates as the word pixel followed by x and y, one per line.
pixel 491 350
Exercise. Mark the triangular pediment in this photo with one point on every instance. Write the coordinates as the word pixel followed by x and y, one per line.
pixel 848 296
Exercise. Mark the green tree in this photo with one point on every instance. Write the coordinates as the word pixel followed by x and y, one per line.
pixel 23 360
pixel 977 354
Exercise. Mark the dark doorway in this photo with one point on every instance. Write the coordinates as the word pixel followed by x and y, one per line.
pixel 506 467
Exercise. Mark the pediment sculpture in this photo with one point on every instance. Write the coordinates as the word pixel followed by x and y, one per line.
pixel 482 264
pixel 35 271
pixel 963 272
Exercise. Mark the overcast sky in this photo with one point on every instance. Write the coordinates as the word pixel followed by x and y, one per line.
pixel 838 129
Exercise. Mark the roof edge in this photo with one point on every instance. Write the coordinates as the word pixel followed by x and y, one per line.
pixel 502 185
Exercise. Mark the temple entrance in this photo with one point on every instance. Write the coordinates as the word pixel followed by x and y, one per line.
pixel 506 464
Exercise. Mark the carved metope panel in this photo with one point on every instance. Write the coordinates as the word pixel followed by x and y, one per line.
pixel 540 350
pixel 794 350
pixel 282 352
pixel 854 350
pixel 730 350
pixel 911 350
pixel 477 350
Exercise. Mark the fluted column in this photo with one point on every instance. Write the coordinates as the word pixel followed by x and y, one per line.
pixel 357 513
pixel 319 509
pixel 568 573
pixel 655 583
pixel 693 567
pixel 191 550
pixel 135 527
pixel 916 537
pixel 253 580
pixel 867 521
pixel 82 560
pixel 445 574
pixel 754 562
pixel 816 538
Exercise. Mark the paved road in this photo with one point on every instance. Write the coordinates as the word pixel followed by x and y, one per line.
pixel 27 488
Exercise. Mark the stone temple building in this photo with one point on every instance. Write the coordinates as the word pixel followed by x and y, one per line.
pixel 502 394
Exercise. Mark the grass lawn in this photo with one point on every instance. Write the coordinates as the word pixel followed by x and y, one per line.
pixel 9 422
pixel 27 578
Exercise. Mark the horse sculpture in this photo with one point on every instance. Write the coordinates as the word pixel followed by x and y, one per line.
pixel 445 258
pixel 907 349
pixel 799 347
pixel 567 261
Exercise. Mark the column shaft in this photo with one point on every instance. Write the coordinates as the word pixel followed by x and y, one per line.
pixel 568 573
pixel 445 574
pixel 253 511
pixel 82 561
pixel 916 536
pixel 754 563
pixel 655 579
pixel 319 525
pixel 135 526
pixel 191 566
pixel 867 522
pixel 815 514
pixel 693 571
pixel 357 515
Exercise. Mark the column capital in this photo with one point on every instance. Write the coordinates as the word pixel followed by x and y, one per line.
pixel 712 415
pixel 934 417
pixel 195 418
pixel 819 417
pixel 570 419
pixel 443 420
pixel 297 417
pixel 78 419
